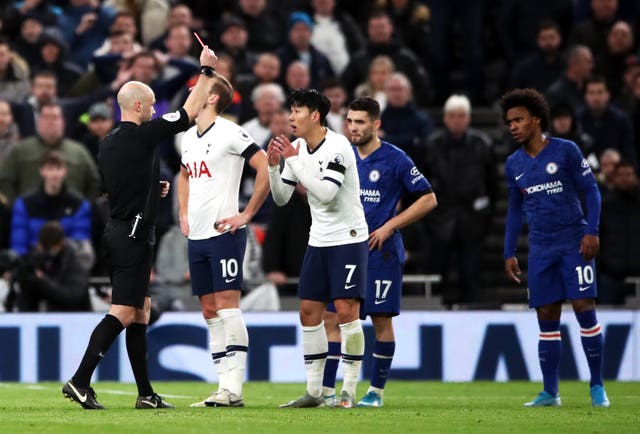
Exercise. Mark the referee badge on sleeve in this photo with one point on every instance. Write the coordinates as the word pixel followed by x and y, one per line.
pixel 171 117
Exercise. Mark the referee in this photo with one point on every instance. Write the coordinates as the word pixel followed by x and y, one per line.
pixel 129 165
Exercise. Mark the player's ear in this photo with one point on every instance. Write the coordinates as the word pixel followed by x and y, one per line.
pixel 376 124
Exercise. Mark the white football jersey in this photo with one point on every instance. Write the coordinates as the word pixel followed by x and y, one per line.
pixel 342 220
pixel 214 163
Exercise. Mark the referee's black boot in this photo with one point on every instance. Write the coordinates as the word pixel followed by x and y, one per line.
pixel 151 402
pixel 85 397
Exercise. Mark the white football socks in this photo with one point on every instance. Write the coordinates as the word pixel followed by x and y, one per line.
pixel 218 349
pixel 352 352
pixel 237 343
pixel 315 347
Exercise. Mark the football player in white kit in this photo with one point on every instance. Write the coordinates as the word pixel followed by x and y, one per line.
pixel 213 155
pixel 335 262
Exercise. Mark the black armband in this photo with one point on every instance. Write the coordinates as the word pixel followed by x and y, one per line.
pixel 207 71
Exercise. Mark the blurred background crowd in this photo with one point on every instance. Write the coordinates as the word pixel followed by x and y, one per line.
pixel 437 68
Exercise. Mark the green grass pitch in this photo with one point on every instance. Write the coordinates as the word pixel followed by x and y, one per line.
pixel 410 407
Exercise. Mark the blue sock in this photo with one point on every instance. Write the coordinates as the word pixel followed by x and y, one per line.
pixel 331 367
pixel 591 337
pixel 382 358
pixel 549 348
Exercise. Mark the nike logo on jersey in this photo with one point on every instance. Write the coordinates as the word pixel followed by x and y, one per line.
pixel 584 288
pixel 348 286
pixel 379 301
pixel 151 404
pixel 229 280
pixel 81 398
pixel 519 176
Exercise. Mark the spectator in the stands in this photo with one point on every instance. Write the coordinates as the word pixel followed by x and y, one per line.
pixel 403 123
pixel 233 42
pixel 541 68
pixel 264 26
pixel 151 14
pixel 99 124
pixel 565 126
pixel 53 57
pixel 609 126
pixel 14 73
pixel 380 70
pixel 593 31
pixel 380 41
pixel 461 166
pixel 337 95
pixel 267 100
pixel 265 70
pixel 179 14
pixel 51 200
pixel 27 45
pixel 620 53
pixel 608 161
pixel 297 76
pixel 335 33
pixel 299 47
pixel 44 90
pixel 20 171
pixel 85 25
pixel 568 89
pixel 619 235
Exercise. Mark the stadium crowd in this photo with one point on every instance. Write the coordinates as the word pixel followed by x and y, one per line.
pixel 429 64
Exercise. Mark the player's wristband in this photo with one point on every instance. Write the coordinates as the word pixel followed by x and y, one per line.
pixel 273 169
pixel 207 71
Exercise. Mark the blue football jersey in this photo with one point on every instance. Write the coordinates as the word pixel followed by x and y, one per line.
pixel 384 176
pixel 547 190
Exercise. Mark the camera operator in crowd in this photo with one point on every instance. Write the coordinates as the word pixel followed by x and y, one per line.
pixel 54 274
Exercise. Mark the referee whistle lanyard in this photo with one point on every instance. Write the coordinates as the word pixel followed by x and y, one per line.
pixel 134 227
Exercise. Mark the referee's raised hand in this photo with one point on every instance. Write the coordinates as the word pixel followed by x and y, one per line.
pixel 208 57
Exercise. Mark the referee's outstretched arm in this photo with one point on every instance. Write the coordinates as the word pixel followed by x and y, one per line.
pixel 198 95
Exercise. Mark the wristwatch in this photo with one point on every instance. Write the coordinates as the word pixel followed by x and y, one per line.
pixel 207 71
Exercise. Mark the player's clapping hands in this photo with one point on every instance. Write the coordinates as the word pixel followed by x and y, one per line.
pixel 273 155
pixel 284 146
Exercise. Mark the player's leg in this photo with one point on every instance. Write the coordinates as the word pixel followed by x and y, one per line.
pixel 136 341
pixel 383 350
pixel 202 286
pixel 125 297
pixel 580 280
pixel 330 319
pixel 313 289
pixel 227 280
pixel 382 302
pixel 348 281
pixel 78 387
pixel 546 294
pixel 236 346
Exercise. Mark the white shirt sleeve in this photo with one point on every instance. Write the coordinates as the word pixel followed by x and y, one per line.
pixel 324 189
pixel 281 186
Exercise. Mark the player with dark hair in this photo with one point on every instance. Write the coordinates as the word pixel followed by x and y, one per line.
pixel 129 164
pixel 386 173
pixel 213 155
pixel 335 262
pixel 546 178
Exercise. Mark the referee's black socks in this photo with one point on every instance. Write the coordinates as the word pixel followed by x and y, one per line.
pixel 101 339
pixel 137 351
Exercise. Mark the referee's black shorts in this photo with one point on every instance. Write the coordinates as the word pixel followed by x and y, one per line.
pixel 130 260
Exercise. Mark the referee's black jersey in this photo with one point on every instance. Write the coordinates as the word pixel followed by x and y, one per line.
pixel 129 165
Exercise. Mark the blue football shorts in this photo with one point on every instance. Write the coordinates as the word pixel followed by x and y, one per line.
pixel 334 272
pixel 215 264
pixel 560 277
